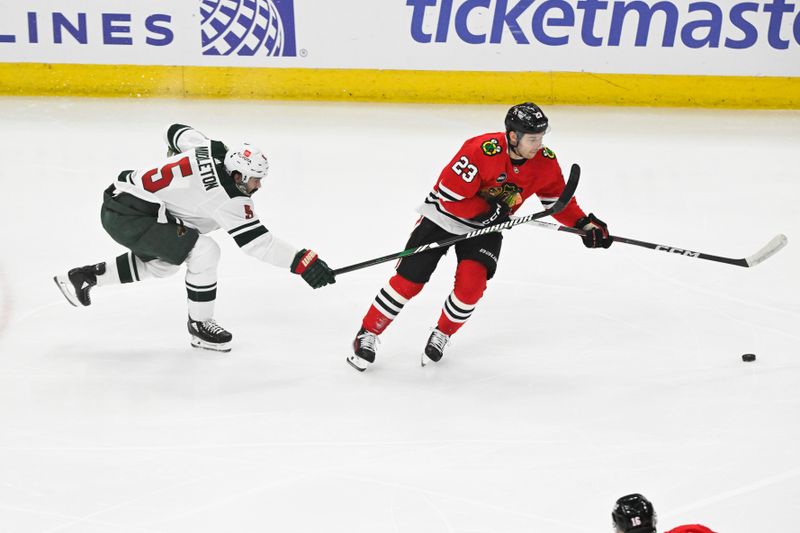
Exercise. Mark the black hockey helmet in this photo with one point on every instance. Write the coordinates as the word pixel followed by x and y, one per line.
pixel 526 118
pixel 634 514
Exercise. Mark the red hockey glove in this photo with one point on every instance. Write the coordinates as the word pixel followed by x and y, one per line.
pixel 312 269
pixel 596 232
pixel 498 212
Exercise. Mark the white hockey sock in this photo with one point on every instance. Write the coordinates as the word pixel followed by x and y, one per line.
pixel 455 310
pixel 111 277
pixel 201 278
pixel 128 268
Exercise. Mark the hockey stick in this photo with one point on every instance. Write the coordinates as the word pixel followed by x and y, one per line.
pixel 769 249
pixel 560 204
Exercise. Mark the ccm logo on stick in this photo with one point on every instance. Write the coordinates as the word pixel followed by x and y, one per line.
pixel 678 251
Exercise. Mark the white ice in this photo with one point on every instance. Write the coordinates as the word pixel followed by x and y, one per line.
pixel 583 375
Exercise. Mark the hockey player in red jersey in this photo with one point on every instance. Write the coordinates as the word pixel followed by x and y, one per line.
pixel 487 180
pixel 162 215
pixel 635 514
pixel 690 528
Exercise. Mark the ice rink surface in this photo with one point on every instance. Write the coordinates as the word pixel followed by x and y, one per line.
pixel 583 375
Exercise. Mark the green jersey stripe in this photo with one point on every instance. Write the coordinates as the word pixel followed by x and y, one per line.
pixel 244 226
pixel 249 236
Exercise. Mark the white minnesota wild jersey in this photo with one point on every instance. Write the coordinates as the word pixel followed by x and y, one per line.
pixel 193 186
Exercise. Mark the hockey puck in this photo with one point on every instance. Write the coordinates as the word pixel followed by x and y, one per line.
pixel 748 357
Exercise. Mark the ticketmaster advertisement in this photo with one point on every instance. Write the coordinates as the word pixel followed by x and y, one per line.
pixel 722 37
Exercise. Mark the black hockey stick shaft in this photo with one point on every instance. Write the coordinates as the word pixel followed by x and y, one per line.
pixel 559 205
pixel 767 251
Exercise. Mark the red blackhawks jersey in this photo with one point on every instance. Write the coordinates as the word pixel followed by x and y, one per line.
pixel 482 169
pixel 692 528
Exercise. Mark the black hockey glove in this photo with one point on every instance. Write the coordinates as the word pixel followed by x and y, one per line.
pixel 498 212
pixel 596 232
pixel 312 269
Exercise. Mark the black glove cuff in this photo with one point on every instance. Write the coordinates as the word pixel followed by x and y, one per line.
pixel 590 219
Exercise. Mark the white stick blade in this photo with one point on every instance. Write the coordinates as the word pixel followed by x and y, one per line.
pixel 771 248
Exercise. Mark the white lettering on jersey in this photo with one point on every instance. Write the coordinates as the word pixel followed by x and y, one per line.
pixel 206 168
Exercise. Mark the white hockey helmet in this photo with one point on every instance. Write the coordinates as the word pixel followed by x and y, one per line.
pixel 249 161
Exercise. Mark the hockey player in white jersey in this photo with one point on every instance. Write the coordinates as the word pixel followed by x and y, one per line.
pixel 162 215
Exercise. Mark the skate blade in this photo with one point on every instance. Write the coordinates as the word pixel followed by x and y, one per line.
pixel 357 363
pixel 425 359
pixel 213 347
pixel 65 286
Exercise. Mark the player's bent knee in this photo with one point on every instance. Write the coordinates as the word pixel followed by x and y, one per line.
pixel 405 287
pixel 470 281
pixel 161 269
pixel 205 255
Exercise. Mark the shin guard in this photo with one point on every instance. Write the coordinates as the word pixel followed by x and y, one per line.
pixel 389 302
pixel 470 283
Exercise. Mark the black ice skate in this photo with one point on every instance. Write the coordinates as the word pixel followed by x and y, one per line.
pixel 75 286
pixel 434 350
pixel 363 350
pixel 209 335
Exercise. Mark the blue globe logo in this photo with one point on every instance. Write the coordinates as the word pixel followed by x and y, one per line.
pixel 242 27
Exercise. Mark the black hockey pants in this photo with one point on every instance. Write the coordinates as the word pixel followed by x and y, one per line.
pixel 133 223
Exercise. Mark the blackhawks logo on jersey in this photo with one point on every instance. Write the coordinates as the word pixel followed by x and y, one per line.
pixel 508 193
pixel 491 147
pixel 547 152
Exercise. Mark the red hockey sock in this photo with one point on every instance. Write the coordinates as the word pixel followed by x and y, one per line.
pixel 389 302
pixel 469 286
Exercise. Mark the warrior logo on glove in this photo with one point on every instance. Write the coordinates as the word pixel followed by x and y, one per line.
pixel 312 269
